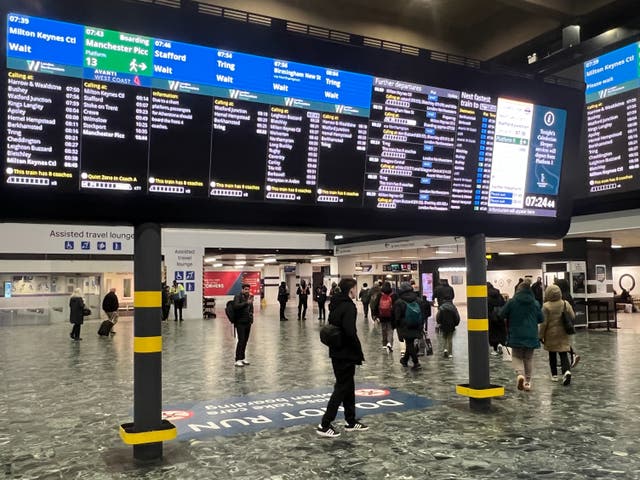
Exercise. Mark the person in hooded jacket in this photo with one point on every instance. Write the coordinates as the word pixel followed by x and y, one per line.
pixel 409 332
pixel 374 292
pixel 444 292
pixel 538 290
pixel 342 314
pixel 523 315
pixel 553 333
pixel 565 289
pixel 497 328
pixel 76 313
pixel 387 298
pixel 283 297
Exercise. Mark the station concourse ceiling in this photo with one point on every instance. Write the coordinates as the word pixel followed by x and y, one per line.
pixel 479 29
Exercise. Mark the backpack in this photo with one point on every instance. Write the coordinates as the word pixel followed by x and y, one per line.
pixel 413 315
pixel 448 317
pixel 385 305
pixel 331 336
pixel 229 310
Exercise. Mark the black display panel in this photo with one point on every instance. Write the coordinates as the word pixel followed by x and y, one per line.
pixel 157 115
pixel 612 100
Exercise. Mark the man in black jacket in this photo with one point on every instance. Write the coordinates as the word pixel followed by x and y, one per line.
pixel 243 307
pixel 342 314
pixel 110 306
pixel 283 297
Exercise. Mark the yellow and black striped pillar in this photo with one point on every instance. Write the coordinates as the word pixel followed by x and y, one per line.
pixel 479 389
pixel 148 430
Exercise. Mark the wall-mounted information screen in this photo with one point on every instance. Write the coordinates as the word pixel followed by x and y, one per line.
pixel 91 109
pixel 612 97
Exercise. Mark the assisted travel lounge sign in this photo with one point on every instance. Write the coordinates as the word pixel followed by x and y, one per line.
pixel 237 415
pixel 66 239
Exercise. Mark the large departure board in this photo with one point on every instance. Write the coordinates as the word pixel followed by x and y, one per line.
pixel 612 98
pixel 96 110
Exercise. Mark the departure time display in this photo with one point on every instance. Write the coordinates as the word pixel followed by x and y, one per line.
pixel 91 109
pixel 612 98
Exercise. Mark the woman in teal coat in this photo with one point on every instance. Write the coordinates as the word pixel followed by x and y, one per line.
pixel 523 314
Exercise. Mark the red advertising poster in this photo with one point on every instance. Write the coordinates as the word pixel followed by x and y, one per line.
pixel 230 283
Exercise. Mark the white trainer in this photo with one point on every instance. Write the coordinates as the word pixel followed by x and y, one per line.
pixel 245 361
pixel 239 363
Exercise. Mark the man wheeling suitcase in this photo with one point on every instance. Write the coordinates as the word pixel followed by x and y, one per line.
pixel 110 306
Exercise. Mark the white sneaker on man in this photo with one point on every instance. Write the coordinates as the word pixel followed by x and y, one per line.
pixel 245 361
pixel 239 363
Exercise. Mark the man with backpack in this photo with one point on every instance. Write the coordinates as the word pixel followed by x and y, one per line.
pixel 365 297
pixel 382 309
pixel 448 319
pixel 409 317
pixel 242 320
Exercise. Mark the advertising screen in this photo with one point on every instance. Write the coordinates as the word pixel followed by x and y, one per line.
pixel 612 97
pixel 92 109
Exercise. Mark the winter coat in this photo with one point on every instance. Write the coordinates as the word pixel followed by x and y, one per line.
pixel 303 293
pixel 283 295
pixel 523 315
pixel 76 307
pixel 497 327
pixel 399 310
pixel 321 296
pixel 342 313
pixel 565 289
pixel 552 331
pixel 374 293
pixel 243 309
pixel 536 288
pixel 375 306
pixel 364 295
pixel 110 302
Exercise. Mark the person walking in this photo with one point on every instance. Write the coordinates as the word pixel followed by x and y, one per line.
pixel 243 309
pixel 382 309
pixel 177 295
pixel 365 297
pixel 497 328
pixel 283 298
pixel 76 313
pixel 110 305
pixel 447 318
pixel 553 334
pixel 565 289
pixel 321 298
pixel 342 314
pixel 374 293
pixel 303 293
pixel 523 314
pixel 408 315
pixel 538 290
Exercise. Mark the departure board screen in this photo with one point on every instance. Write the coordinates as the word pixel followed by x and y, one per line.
pixel 612 97
pixel 96 110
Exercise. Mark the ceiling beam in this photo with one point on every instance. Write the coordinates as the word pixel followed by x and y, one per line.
pixel 559 10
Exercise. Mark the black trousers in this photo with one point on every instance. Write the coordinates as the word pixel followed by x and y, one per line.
pixel 165 311
pixel 177 307
pixel 564 362
pixel 75 331
pixel 302 307
pixel 410 351
pixel 365 306
pixel 322 312
pixel 243 332
pixel 344 392
pixel 282 306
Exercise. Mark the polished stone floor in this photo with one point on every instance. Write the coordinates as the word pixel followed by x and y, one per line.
pixel 61 404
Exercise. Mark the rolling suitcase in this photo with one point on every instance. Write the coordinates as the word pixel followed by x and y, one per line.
pixel 105 328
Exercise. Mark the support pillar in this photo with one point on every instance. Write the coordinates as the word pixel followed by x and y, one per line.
pixel 148 430
pixel 479 389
